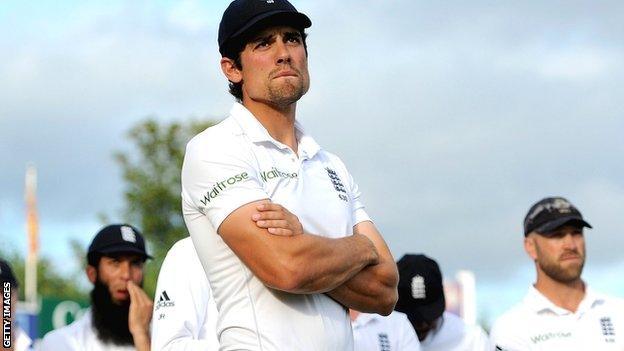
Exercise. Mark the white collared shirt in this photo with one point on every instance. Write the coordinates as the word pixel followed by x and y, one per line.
pixel 78 336
pixel 372 332
pixel 185 314
pixel 453 334
pixel 538 324
pixel 237 162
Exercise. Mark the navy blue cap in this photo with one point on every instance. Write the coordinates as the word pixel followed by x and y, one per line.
pixel 550 213
pixel 117 239
pixel 242 15
pixel 421 293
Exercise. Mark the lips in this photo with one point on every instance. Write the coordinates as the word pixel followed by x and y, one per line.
pixel 286 74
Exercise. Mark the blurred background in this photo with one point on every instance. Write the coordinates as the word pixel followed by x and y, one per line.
pixel 454 117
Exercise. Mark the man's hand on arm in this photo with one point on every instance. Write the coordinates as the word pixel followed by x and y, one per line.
pixel 373 289
pixel 139 316
pixel 303 263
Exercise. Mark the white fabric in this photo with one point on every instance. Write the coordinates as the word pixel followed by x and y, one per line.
pixel 23 342
pixel 237 162
pixel 453 334
pixel 538 324
pixel 185 314
pixel 372 332
pixel 78 336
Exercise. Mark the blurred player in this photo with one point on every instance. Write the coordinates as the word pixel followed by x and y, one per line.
pixel 421 297
pixel 185 314
pixel 559 312
pixel 372 332
pixel 120 310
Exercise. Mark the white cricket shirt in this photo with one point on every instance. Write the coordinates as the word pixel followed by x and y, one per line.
pixel 538 324
pixel 78 336
pixel 453 334
pixel 237 162
pixel 185 314
pixel 372 332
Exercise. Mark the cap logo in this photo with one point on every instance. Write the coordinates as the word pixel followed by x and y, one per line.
pixel 128 234
pixel 270 1
pixel 418 287
pixel 559 205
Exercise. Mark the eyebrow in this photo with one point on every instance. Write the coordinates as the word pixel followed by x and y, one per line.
pixel 268 37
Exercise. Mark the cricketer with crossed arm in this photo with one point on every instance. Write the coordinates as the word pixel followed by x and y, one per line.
pixel 278 289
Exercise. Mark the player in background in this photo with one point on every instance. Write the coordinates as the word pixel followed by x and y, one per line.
pixel 421 297
pixel 559 312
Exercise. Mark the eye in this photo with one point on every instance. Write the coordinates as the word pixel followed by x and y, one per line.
pixel 262 44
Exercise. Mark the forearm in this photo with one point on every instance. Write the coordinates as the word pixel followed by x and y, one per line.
pixel 141 341
pixel 372 290
pixel 319 264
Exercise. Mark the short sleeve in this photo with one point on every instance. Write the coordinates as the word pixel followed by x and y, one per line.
pixel 358 211
pixel 218 178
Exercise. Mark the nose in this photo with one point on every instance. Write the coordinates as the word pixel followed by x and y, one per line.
pixel 282 53
pixel 124 270
pixel 569 242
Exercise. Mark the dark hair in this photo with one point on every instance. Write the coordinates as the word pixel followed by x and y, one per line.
pixel 233 50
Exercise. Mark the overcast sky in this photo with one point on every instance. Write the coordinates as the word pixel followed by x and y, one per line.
pixel 453 116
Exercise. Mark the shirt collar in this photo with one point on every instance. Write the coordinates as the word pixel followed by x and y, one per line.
pixel 363 319
pixel 257 133
pixel 540 303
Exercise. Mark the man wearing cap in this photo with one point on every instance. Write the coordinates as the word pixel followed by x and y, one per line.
pixel 120 311
pixel 559 312
pixel 278 289
pixel 20 341
pixel 421 297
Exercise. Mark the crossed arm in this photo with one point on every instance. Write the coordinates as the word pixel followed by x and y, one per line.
pixel 358 271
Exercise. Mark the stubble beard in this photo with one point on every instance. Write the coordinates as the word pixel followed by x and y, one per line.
pixel 557 272
pixel 284 94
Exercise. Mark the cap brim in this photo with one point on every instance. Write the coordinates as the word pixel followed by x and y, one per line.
pixel 279 17
pixel 551 226
pixel 123 249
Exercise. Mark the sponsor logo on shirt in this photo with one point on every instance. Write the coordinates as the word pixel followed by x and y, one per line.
pixel 547 336
pixel 276 173
pixel 222 185
pixel 340 188
pixel 164 301
pixel 384 342
pixel 607 329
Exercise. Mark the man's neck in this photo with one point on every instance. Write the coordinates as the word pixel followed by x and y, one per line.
pixel 565 295
pixel 280 123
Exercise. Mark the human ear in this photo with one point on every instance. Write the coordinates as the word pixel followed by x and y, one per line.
pixel 529 247
pixel 233 74
pixel 91 273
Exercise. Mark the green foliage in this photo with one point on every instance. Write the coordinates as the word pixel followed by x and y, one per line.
pixel 152 185
pixel 50 282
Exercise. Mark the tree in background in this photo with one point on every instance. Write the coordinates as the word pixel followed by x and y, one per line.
pixel 152 185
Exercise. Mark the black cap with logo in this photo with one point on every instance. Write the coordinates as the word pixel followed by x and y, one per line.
pixel 117 239
pixel 551 213
pixel 242 15
pixel 421 294
pixel 7 275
